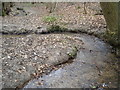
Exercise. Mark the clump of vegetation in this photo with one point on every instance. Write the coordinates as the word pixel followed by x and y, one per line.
pixel 111 37
pixel 78 7
pixel 56 28
pixel 94 87
pixel 3 13
pixel 73 53
pixel 50 20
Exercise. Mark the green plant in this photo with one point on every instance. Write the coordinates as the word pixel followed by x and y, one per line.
pixel 3 13
pixel 111 37
pixel 93 87
pixel 56 28
pixel 50 19
pixel 78 7
pixel 73 53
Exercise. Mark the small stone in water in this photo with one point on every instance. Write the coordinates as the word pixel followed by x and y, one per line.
pixel 9 57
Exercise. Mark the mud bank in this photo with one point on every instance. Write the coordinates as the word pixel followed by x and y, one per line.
pixel 28 56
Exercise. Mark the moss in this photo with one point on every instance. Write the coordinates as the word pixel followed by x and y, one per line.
pixel 111 37
pixel 3 13
pixel 78 7
pixel 56 28
pixel 110 11
pixel 49 19
pixel 73 53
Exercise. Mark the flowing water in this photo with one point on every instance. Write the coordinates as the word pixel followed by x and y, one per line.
pixel 94 66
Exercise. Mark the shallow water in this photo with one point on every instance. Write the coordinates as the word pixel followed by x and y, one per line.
pixel 93 67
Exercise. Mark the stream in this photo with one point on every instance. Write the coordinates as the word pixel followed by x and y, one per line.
pixel 94 67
